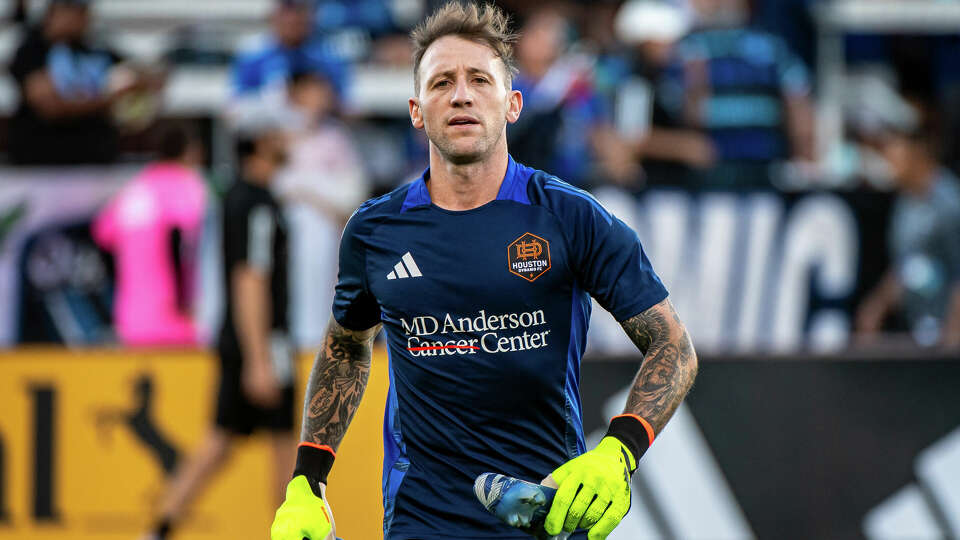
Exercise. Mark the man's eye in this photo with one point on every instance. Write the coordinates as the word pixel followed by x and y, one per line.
pixel 441 83
pixel 479 80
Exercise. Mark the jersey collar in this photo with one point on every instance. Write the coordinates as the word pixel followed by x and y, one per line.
pixel 513 187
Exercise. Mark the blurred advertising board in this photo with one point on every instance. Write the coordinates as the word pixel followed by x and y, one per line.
pixel 88 438
pixel 787 448
pixel 795 448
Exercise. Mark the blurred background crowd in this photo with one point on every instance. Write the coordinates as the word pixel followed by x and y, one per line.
pixel 715 127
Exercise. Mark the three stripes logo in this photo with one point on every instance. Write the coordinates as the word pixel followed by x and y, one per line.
pixel 406 268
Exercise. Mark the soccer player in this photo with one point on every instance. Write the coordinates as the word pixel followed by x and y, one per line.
pixel 480 273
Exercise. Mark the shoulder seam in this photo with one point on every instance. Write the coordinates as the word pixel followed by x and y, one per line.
pixel 558 185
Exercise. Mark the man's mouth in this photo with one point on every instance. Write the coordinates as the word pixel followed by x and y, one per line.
pixel 463 121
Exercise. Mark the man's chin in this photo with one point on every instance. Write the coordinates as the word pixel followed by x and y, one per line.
pixel 464 156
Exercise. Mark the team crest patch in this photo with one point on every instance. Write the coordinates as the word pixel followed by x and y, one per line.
pixel 529 256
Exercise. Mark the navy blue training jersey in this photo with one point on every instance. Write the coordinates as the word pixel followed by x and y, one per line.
pixel 485 313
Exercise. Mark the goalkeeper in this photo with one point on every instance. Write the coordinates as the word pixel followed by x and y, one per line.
pixel 480 273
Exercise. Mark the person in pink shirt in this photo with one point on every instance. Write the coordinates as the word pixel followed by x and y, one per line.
pixel 152 227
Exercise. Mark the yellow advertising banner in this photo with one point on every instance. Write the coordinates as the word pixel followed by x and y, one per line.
pixel 88 439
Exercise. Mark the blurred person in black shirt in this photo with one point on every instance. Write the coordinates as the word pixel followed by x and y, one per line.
pixel 63 116
pixel 256 359
pixel 647 100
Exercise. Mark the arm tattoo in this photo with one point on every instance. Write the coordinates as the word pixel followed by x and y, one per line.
pixel 669 364
pixel 336 384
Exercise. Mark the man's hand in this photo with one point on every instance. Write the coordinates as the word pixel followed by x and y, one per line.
pixel 303 514
pixel 594 491
pixel 260 384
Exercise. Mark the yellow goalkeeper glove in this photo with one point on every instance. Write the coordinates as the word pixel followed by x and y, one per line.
pixel 305 513
pixel 594 488
pixel 302 515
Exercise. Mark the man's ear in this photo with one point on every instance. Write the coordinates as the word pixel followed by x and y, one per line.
pixel 416 115
pixel 514 106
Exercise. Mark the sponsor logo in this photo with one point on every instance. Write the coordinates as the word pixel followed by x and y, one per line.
pixel 491 333
pixel 528 256
pixel 406 268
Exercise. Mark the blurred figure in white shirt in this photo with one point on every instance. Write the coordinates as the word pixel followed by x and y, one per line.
pixel 322 185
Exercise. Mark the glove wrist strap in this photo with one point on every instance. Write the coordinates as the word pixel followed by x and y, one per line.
pixel 633 432
pixel 314 461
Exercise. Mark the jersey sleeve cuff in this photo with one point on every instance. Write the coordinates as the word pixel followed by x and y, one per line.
pixel 645 303
pixel 314 461
pixel 634 432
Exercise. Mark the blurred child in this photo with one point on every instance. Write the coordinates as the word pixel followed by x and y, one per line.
pixel 153 228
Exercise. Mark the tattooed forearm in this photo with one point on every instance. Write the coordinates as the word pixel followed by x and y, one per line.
pixel 669 364
pixel 336 384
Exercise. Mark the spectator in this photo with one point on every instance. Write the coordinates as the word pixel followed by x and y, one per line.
pixel 322 185
pixel 153 229
pixel 646 98
pixel 63 116
pixel 261 73
pixel 748 92
pixel 561 110
pixel 924 238
pixel 256 359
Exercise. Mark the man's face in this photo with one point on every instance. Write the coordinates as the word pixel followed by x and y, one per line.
pixel 291 25
pixel 463 102
pixel 901 155
pixel 70 22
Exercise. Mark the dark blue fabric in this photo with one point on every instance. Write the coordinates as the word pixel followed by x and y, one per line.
pixel 510 405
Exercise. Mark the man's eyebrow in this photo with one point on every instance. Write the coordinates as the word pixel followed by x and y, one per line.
pixel 484 72
pixel 452 72
pixel 447 73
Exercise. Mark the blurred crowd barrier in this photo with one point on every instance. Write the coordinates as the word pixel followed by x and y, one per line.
pixel 797 448
pixel 748 270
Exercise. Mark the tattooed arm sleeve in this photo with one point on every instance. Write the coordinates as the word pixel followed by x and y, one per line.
pixel 669 364
pixel 336 384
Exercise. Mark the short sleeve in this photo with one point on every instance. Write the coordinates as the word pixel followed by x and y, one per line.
pixel 354 306
pixel 28 59
pixel 188 211
pixel 609 260
pixel 792 73
pixel 251 235
pixel 245 75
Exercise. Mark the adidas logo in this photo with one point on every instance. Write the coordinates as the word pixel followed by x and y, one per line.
pixel 407 267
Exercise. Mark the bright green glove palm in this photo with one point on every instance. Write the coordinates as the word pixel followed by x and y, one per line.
pixel 302 514
pixel 594 491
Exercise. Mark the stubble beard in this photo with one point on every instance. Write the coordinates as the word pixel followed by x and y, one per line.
pixel 479 151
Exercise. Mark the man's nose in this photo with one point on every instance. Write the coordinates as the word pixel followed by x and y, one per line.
pixel 461 94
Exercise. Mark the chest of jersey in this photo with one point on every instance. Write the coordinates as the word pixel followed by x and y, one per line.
pixel 474 296
pixel 503 258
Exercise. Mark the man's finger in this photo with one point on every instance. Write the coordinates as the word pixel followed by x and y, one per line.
pixel 580 504
pixel 608 522
pixel 594 512
pixel 561 504
pixel 316 531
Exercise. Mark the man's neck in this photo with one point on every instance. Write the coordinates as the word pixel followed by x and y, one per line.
pixel 464 187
